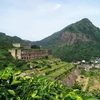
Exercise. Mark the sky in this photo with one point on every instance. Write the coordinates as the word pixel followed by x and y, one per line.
pixel 36 19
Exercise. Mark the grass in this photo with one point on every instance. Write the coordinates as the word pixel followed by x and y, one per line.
pixel 59 72
pixel 54 67
pixel 67 73
pixel 51 67
pixel 94 79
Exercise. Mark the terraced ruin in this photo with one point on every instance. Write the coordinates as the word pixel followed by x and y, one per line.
pixel 53 68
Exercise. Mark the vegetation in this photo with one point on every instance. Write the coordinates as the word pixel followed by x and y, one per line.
pixel 93 86
pixel 41 79
pixel 80 49
pixel 52 67
pixel 6 59
pixel 35 47
pixel 13 86
pixel 9 39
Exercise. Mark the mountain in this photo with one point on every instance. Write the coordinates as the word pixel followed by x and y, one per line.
pixel 6 41
pixel 9 39
pixel 75 42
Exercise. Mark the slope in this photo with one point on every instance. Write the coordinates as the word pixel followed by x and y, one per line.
pixel 77 41
pixel 9 39
pixel 6 44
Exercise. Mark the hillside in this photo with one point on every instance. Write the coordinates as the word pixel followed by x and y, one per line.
pixel 9 39
pixel 52 67
pixel 90 80
pixel 5 57
pixel 38 82
pixel 75 42
pixel 36 79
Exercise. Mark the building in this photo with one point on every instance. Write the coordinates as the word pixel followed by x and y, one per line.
pixel 19 45
pixel 28 54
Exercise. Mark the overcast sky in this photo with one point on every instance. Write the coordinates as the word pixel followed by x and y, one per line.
pixel 36 19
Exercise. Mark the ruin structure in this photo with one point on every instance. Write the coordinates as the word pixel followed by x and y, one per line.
pixel 27 53
pixel 19 45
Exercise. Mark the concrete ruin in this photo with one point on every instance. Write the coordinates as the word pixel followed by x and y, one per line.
pixel 27 53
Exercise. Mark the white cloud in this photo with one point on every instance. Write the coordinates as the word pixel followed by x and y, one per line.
pixel 57 6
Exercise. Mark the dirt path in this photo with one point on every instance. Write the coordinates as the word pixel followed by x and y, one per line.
pixel 95 86
pixel 83 81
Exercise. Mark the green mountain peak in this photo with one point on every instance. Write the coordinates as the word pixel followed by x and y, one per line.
pixel 85 20
pixel 75 42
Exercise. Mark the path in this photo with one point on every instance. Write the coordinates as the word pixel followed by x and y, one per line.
pixel 83 81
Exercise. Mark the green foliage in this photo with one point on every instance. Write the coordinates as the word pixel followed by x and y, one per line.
pixel 85 73
pixel 9 39
pixel 5 58
pixel 52 67
pixel 19 63
pixel 93 75
pixel 79 50
pixel 77 86
pixel 92 99
pixel 92 72
pixel 35 47
pixel 16 87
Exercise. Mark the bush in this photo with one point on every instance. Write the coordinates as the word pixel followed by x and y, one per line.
pixel 49 66
pixel 16 87
pixel 13 86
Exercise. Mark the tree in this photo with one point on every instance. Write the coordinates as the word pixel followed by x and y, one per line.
pixel 35 47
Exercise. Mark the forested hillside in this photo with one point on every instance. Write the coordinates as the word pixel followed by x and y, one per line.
pixel 9 39
pixel 40 79
pixel 33 84
pixel 75 42
pixel 5 57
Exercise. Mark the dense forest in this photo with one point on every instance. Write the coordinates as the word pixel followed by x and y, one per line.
pixel 6 58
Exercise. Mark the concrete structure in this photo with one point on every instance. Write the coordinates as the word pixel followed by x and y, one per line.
pixel 28 54
pixel 19 45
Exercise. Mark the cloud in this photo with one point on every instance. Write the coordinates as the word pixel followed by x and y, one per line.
pixel 57 6
pixel 36 19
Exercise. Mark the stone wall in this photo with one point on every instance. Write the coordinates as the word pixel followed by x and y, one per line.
pixel 70 79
